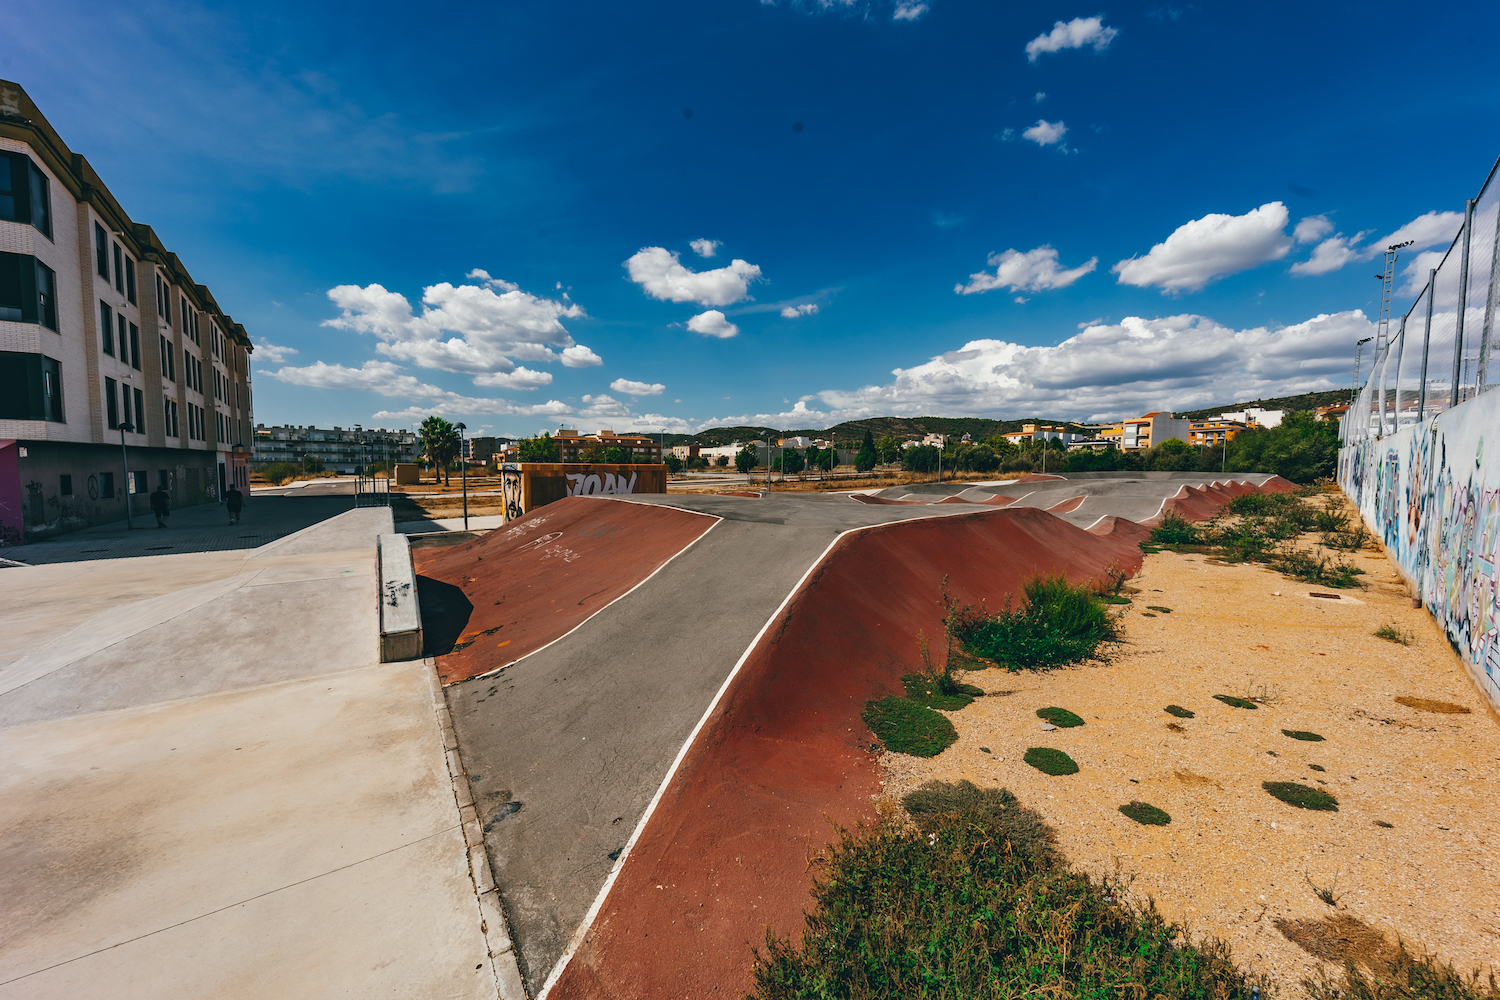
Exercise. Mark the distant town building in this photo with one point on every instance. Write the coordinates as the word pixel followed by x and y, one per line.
pixel 939 441
pixel 1043 432
pixel 1145 432
pixel 1203 433
pixel 1254 415
pixel 484 450
pixel 107 344
pixel 1335 412
pixel 340 449
pixel 574 448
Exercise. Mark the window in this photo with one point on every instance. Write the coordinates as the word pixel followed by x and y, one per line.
pixel 123 327
pixel 125 421
pixel 25 195
pixel 46 296
pixel 65 486
pixel 140 412
pixel 111 404
pixel 30 387
pixel 106 485
pixel 107 328
pixel 130 280
pixel 119 270
pixel 101 251
pixel 135 347
pixel 169 417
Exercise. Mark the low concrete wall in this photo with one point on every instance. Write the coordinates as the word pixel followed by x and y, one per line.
pixel 528 485
pixel 400 612
pixel 1431 493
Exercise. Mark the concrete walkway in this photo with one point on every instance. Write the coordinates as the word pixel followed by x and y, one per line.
pixel 217 791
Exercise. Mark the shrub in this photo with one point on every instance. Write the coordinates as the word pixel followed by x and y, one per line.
pixel 1050 761
pixel 972 904
pixel 1058 624
pixel 1146 814
pixel 1299 734
pixel 1179 711
pixel 1302 565
pixel 1399 975
pixel 1059 717
pixel 1301 796
pixel 1234 702
pixel 1174 529
pixel 1396 634
pixel 904 726
pixel 927 690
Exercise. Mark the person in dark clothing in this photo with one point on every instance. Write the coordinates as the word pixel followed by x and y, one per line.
pixel 234 500
pixel 161 506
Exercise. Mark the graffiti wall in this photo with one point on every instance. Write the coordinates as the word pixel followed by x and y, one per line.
pixel 528 485
pixel 1431 492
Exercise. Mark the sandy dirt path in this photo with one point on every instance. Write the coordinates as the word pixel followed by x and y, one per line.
pixel 1234 860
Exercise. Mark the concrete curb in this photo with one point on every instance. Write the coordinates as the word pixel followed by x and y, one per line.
pixel 492 921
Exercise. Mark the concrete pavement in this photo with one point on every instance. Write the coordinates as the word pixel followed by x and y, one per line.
pixel 218 791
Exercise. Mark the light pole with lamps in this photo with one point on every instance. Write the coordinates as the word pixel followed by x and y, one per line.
pixel 126 425
pixel 463 469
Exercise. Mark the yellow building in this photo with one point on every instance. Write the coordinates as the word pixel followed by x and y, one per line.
pixel 1203 433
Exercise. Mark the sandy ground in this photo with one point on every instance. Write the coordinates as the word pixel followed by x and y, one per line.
pixel 1234 860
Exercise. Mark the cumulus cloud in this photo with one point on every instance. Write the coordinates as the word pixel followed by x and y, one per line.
pixel 805 309
pixel 662 276
pixel 908 11
pixel 1033 271
pixel 387 379
pixel 521 378
pixel 1329 255
pixel 1045 133
pixel 706 248
pixel 272 354
pixel 476 329
pixel 1417 270
pixel 1041 96
pixel 1312 229
pixel 1208 248
pixel 579 356
pixel 712 324
pixel 1075 34
pixel 631 388
pixel 1424 231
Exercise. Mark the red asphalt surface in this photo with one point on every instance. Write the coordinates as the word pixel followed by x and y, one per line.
pixel 726 852
pixel 556 566
pixel 1198 504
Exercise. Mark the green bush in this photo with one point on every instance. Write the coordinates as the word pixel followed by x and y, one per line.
pixel 1298 734
pixel 1058 624
pixel 1179 711
pixel 1050 761
pixel 904 726
pixel 974 904
pixel 1174 529
pixel 924 689
pixel 1146 814
pixel 1234 702
pixel 1059 717
pixel 1301 796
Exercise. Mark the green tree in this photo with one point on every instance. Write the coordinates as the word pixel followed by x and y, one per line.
pixel 922 458
pixel 888 449
pixel 865 459
pixel 982 458
pixel 790 461
pixel 747 459
pixel 673 463
pixel 537 449
pixel 1301 449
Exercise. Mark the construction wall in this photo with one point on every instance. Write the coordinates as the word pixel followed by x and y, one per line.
pixel 528 485
pixel 1431 493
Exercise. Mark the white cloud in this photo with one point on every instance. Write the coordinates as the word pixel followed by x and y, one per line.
pixel 1312 229
pixel 387 379
pixel 712 324
pixel 579 356
pixel 1208 248
pixel 1417 270
pixel 1033 271
pixel 1424 231
pixel 908 11
pixel 1330 255
pixel 1045 133
pixel 662 276
pixel 706 248
pixel 1041 96
pixel 480 330
pixel 805 309
pixel 1075 34
pixel 1007 135
pixel 521 378
pixel 272 354
pixel 630 388
pixel 480 274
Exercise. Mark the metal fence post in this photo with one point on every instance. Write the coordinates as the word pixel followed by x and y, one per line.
pixel 1426 344
pixel 1463 296
pixel 1400 350
pixel 1489 311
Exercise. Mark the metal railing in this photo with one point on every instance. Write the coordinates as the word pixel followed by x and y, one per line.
pixel 372 491
pixel 1447 348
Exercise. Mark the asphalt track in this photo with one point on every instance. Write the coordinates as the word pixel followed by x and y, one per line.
pixel 567 747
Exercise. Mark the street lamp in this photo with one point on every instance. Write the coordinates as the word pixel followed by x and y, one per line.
pixel 1359 347
pixel 463 470
pixel 125 466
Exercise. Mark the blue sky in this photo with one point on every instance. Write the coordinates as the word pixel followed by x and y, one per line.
pixel 677 215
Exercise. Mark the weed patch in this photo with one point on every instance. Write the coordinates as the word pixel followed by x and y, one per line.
pixel 1059 717
pixel 1058 624
pixel 926 690
pixel 1392 633
pixel 1179 711
pixel 1301 734
pixel 1393 972
pixel 939 802
pixel 906 727
pixel 1146 814
pixel 1300 564
pixel 1114 598
pixel 1301 796
pixel 1050 761
pixel 1234 702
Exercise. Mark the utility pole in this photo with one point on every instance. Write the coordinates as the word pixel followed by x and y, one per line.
pixel 463 470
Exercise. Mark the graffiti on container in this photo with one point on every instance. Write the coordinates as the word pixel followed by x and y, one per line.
pixel 587 484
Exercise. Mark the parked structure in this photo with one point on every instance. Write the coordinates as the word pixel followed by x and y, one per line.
pixel 107 346
pixel 340 449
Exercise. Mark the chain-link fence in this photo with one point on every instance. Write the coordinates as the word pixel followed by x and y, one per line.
pixel 1447 347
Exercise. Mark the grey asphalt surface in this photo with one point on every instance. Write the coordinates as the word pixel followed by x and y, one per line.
pixel 1135 496
pixel 566 748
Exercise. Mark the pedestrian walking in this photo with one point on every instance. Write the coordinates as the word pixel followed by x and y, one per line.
pixel 161 505
pixel 234 500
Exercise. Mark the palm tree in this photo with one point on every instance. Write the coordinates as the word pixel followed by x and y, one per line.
pixel 440 441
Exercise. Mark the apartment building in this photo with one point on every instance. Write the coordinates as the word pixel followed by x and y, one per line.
pixel 573 448
pixel 1203 433
pixel 106 344
pixel 339 449
pixel 1141 433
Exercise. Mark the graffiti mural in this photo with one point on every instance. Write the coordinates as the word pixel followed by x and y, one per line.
pixel 510 491
pixel 1432 495
pixel 588 484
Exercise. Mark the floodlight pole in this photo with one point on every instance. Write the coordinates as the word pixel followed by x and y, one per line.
pixel 125 467
pixel 463 470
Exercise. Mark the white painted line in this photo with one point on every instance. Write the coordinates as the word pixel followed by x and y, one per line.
pixel 713 517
